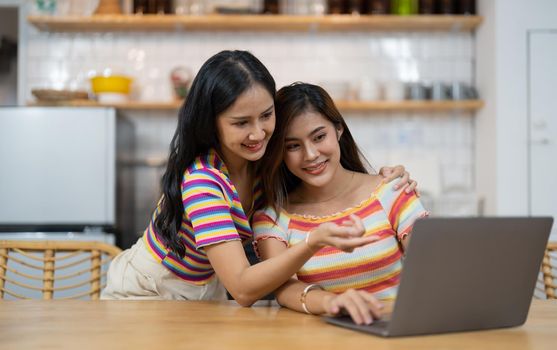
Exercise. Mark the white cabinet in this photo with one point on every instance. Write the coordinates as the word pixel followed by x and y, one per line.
pixel 57 166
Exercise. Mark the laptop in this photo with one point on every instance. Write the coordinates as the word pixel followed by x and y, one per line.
pixel 464 274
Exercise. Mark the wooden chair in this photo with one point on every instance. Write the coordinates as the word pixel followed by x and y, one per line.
pixel 549 270
pixel 54 269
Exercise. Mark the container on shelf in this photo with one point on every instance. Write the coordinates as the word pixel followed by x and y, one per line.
pixel 417 91
pixel 335 7
pixel 126 6
pixel 113 83
pixel 153 7
pixel 338 89
pixel 369 90
pixel 108 7
pixel 427 7
pixel 394 90
pixel 466 7
pixel 63 7
pixel 43 7
pixel 237 6
pixel 303 7
pixel 271 7
pixel 446 7
pixel 378 7
pixel 439 91
pixel 404 7
pixel 181 78
pixel 111 89
pixel 191 7
pixel 354 7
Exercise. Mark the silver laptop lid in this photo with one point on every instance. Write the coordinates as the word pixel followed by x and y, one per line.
pixel 468 274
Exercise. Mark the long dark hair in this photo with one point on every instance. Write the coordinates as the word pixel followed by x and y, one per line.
pixel 292 101
pixel 219 82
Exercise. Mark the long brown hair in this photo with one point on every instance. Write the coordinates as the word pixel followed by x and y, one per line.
pixel 290 102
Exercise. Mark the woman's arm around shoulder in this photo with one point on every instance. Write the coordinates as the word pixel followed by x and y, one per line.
pixel 401 208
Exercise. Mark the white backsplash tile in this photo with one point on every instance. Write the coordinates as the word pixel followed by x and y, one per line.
pixel 65 60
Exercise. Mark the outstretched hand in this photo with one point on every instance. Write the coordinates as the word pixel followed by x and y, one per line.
pixel 347 236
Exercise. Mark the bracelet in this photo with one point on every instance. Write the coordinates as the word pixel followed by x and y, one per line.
pixel 304 295
pixel 307 237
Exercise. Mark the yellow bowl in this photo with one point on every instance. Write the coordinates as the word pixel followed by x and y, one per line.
pixel 114 83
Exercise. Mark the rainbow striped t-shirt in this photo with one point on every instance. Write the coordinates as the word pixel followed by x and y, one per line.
pixel 213 214
pixel 375 267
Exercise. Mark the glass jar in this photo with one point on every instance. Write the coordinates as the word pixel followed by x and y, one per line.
pixel 404 7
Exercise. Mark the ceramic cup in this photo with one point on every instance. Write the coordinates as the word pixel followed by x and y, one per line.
pixel 394 90
pixel 416 91
pixel 369 90
pixel 439 91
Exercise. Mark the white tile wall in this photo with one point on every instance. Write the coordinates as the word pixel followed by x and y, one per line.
pixel 60 58
pixel 67 59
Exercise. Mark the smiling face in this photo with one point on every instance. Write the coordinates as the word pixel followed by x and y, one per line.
pixel 312 151
pixel 245 127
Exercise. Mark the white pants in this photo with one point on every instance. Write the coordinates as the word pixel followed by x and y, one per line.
pixel 136 274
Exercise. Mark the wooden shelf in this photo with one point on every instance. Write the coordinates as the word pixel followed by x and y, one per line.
pixel 132 105
pixel 344 106
pixel 266 23
pixel 409 106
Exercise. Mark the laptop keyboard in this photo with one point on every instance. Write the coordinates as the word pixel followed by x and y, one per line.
pixel 382 324
pixel 377 324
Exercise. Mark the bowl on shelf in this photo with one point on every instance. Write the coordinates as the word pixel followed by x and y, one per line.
pixel 113 83
pixel 111 89
pixel 58 95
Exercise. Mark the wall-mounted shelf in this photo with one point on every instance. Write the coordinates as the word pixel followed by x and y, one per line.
pixel 345 106
pixel 105 23
pixel 132 105
pixel 409 106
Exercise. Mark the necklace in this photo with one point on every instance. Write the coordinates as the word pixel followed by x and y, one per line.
pixel 343 191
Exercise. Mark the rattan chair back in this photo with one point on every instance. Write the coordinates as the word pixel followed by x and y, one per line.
pixel 54 269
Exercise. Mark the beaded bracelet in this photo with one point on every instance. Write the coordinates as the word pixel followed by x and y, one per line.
pixel 304 295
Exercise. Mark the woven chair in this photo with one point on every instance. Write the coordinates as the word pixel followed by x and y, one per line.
pixel 549 270
pixel 53 269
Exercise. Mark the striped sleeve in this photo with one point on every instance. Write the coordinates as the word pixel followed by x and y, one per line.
pixel 402 209
pixel 207 203
pixel 265 225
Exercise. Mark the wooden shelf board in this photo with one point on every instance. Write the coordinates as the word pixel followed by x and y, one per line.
pixel 345 106
pixel 417 106
pixel 132 105
pixel 255 23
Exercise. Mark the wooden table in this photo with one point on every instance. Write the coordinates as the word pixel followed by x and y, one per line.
pixel 204 325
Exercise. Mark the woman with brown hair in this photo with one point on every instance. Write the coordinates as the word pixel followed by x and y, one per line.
pixel 317 178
